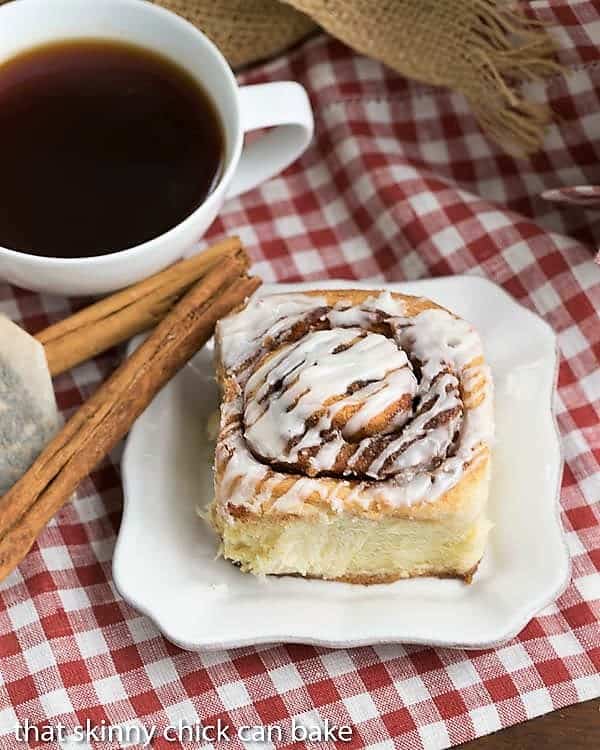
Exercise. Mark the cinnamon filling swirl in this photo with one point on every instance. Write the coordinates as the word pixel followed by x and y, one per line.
pixel 325 397
pixel 394 405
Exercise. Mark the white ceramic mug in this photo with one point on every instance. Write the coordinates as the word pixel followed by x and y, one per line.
pixel 25 24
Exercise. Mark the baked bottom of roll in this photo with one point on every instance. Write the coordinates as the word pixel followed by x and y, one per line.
pixel 342 547
pixel 354 440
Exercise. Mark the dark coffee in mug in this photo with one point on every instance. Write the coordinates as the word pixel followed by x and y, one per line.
pixel 103 146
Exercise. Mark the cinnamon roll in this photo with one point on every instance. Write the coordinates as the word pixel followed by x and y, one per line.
pixel 354 439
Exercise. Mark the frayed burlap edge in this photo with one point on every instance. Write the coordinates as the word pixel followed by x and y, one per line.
pixel 481 48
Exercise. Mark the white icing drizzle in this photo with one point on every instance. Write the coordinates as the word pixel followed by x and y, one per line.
pixel 363 392
pixel 311 373
pixel 262 317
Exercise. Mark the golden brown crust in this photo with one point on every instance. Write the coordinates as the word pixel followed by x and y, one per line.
pixel 370 580
pixel 448 504
pixel 412 305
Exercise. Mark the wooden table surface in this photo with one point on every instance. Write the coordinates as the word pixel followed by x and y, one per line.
pixel 573 728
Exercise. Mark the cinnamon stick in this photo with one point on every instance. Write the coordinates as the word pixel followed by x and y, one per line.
pixel 108 415
pixel 121 316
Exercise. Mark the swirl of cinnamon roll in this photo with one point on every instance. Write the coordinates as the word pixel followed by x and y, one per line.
pixel 387 393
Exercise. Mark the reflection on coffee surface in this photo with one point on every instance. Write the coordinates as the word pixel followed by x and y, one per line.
pixel 103 146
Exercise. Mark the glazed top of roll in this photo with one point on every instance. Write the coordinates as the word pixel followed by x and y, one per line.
pixel 388 394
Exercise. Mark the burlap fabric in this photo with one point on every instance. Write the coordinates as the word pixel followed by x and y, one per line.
pixel 245 30
pixel 482 48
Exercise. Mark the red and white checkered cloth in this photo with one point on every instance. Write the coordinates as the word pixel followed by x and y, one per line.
pixel 399 184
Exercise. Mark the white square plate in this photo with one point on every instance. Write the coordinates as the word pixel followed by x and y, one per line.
pixel 165 564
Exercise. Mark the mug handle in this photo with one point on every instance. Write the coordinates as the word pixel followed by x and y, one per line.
pixel 283 104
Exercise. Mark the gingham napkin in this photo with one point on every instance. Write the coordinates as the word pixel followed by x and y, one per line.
pixel 399 184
